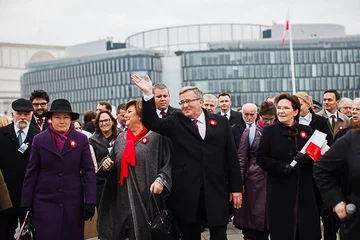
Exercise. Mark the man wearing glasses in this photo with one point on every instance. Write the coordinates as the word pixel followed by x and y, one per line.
pixel 205 168
pixel 40 102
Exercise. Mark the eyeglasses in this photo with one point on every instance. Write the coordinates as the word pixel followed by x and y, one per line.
pixel 187 101
pixel 285 108
pixel 78 128
pixel 43 104
pixel 267 119
pixel 104 121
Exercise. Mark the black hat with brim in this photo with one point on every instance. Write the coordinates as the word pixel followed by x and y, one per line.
pixel 22 105
pixel 61 106
pixel 316 104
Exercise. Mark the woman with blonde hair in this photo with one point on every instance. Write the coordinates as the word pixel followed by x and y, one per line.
pixel 4 121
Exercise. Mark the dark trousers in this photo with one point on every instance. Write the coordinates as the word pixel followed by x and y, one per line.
pixel 8 224
pixel 192 231
pixel 331 224
pixel 254 234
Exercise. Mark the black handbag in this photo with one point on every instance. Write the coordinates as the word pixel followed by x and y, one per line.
pixel 27 232
pixel 162 224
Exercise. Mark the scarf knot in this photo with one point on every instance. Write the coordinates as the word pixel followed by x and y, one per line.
pixel 129 156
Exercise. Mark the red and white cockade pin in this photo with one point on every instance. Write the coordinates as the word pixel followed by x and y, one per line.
pixel 48 121
pixel 112 143
pixel 212 122
pixel 303 134
pixel 73 143
pixel 145 140
pixel 341 127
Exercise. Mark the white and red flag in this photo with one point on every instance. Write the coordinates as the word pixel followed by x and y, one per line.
pixel 287 27
pixel 316 146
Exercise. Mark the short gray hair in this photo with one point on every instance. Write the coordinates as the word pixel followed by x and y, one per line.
pixel 356 101
pixel 208 95
pixel 197 91
pixel 249 105
pixel 345 100
pixel 159 86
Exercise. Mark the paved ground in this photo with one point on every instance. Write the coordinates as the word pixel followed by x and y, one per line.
pixel 232 233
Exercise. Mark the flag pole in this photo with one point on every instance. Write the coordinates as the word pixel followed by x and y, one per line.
pixel 291 56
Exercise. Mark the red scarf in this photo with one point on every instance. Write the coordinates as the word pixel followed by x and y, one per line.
pixel 128 155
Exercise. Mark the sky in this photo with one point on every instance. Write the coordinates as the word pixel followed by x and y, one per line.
pixel 70 22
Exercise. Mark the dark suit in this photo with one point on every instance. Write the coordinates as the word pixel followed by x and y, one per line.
pixel 201 168
pixel 13 167
pixel 328 217
pixel 35 124
pixel 237 124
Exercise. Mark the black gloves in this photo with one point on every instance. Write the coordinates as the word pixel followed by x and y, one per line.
pixel 300 157
pixel 89 210
pixel 288 169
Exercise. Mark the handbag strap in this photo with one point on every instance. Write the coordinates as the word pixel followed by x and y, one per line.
pixel 151 213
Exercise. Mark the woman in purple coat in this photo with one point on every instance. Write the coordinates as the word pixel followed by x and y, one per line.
pixel 251 217
pixel 60 185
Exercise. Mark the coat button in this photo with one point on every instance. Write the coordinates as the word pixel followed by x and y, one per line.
pixel 60 174
pixel 60 190
pixel 60 205
pixel 289 138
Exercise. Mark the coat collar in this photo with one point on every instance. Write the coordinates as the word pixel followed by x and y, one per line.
pixel 49 144
pixel 9 129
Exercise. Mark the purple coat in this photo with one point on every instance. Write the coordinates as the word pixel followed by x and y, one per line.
pixel 252 213
pixel 57 185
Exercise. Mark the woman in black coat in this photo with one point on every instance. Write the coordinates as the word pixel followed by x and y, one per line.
pixel 102 141
pixel 343 159
pixel 291 207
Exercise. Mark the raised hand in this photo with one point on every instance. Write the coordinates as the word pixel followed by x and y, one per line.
pixel 143 85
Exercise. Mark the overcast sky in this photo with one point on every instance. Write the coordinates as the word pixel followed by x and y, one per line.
pixel 69 22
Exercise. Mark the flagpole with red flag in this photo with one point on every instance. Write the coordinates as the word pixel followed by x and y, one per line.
pixel 288 28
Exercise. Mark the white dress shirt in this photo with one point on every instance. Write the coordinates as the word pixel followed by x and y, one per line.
pixel 330 118
pixel 24 132
pixel 306 120
pixel 227 114
pixel 201 124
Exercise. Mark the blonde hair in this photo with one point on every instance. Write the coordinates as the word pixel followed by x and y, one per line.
pixel 4 121
pixel 306 98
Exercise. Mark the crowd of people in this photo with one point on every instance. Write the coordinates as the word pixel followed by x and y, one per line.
pixel 211 166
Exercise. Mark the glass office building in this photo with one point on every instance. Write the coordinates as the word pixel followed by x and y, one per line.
pixel 87 80
pixel 251 71
pixel 244 60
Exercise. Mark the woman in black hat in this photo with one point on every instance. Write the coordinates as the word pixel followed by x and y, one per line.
pixel 59 186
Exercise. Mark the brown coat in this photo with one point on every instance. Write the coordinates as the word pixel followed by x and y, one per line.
pixel 341 123
pixel 5 201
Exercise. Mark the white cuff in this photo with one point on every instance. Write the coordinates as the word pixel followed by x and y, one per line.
pixel 148 97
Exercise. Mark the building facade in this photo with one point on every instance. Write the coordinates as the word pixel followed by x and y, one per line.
pixel 13 59
pixel 256 70
pixel 244 60
pixel 86 80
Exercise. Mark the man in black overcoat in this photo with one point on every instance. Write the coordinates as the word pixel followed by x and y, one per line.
pixel 205 168
pixel 236 120
pixel 15 146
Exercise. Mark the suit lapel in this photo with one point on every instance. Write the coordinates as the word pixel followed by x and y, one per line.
pixel 191 126
pixel 12 134
pixel 49 144
pixel 67 147
pixel 209 128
